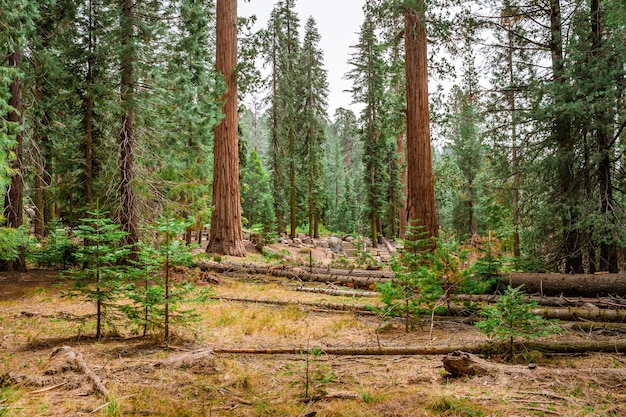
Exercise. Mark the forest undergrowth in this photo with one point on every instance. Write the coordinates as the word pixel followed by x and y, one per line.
pixel 226 364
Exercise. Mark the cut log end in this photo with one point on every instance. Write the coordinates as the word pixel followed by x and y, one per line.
pixel 462 363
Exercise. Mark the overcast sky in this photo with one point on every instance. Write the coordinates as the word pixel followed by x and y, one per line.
pixel 338 22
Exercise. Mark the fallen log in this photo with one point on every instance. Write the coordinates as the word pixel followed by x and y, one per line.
pixel 352 308
pixel 558 301
pixel 564 314
pixel 579 313
pixel 279 270
pixel 547 284
pixel 591 326
pixel 354 351
pixel 337 292
pixel 547 347
pixel 581 285
pixel 467 364
pixel 351 278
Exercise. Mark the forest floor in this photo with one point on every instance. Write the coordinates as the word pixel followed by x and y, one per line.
pixel 228 363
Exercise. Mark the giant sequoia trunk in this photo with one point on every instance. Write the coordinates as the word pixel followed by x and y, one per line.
pixel 128 203
pixel 420 181
pixel 13 205
pixel 226 235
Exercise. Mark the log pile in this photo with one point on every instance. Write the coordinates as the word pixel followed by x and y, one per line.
pixel 583 285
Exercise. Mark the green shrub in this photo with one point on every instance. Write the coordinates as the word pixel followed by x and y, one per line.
pixel 57 250
pixel 11 240
pixel 415 286
pixel 156 297
pixel 511 319
pixel 102 277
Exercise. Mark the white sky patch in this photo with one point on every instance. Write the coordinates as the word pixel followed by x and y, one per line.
pixel 338 22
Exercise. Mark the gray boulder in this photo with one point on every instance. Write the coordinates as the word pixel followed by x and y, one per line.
pixel 335 244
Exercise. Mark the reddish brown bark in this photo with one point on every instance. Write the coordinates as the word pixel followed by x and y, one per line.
pixel 226 235
pixel 13 205
pixel 128 203
pixel 420 182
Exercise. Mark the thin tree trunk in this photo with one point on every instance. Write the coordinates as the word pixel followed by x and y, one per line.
pixel 608 250
pixel 514 139
pixel 420 182
pixel 41 165
pixel 561 132
pixel 402 214
pixel 128 203
pixel 13 205
pixel 39 198
pixel 292 185
pixel 277 172
pixel 226 234
pixel 89 113
pixel 316 226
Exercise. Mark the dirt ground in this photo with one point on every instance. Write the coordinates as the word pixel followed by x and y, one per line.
pixel 200 374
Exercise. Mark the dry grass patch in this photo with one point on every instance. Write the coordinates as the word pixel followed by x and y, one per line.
pixel 238 385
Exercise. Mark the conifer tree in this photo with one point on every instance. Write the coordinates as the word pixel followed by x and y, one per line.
pixel 187 80
pixel 312 114
pixel 368 76
pixel 257 202
pixel 343 167
pixel 277 146
pixel 226 233
pixel 18 27
pixel 466 144
pixel 282 54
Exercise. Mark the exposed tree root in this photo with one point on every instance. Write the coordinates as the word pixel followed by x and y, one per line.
pixel 62 359
pixel 66 358
pixel 467 364
pixel 13 378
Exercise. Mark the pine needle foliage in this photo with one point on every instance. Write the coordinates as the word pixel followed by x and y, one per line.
pixel 511 319
pixel 101 279
pixel 57 250
pixel 415 286
pixel 11 239
pixel 155 296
